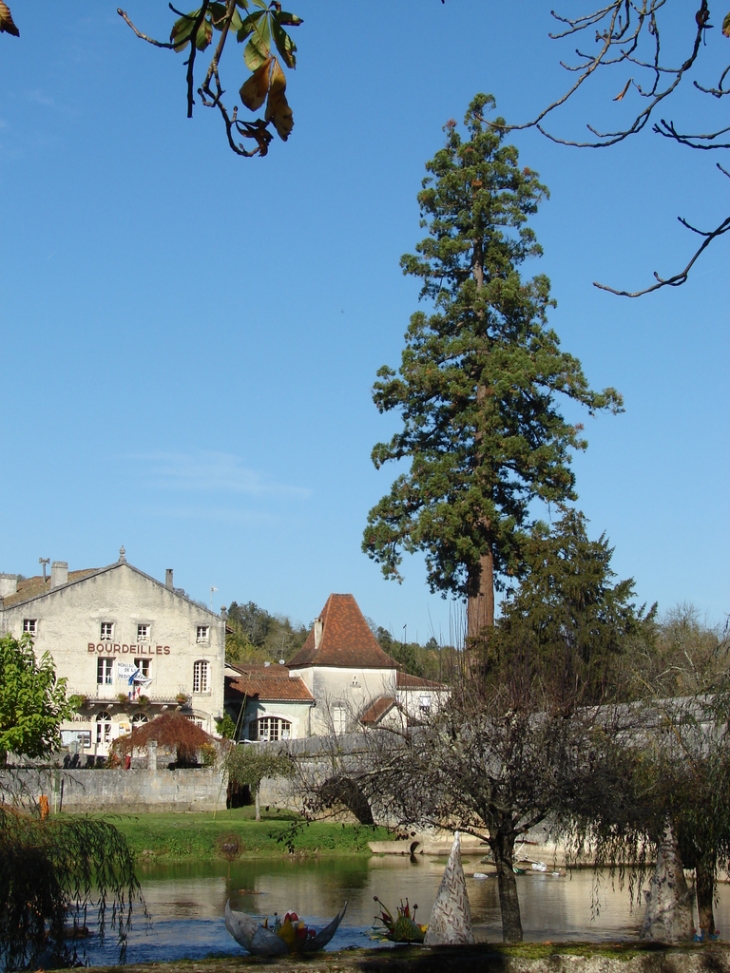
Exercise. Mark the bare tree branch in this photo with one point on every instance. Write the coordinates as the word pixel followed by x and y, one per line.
pixel 150 40
pixel 629 34
pixel 680 278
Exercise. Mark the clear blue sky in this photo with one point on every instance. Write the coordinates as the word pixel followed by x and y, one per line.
pixel 189 339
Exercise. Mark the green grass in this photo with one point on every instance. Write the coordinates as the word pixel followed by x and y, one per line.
pixel 200 836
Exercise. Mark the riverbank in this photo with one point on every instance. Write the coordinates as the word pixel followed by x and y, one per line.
pixel 524 958
pixel 234 834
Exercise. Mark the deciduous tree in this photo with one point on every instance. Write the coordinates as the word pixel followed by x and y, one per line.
pixel 248 765
pixel 32 701
pixel 479 379
pixel 54 874
pixel 629 40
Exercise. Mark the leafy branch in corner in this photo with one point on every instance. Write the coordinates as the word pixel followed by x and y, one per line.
pixel 268 49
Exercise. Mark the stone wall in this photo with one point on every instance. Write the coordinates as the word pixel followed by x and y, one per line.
pixel 114 791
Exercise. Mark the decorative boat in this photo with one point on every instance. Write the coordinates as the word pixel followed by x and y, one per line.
pixel 291 935
pixel 402 929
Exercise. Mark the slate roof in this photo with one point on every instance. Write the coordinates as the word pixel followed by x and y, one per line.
pixel 266 682
pixel 346 640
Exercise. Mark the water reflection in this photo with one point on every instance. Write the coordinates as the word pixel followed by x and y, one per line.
pixel 187 903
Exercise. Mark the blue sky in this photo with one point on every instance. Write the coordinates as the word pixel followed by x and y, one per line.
pixel 189 339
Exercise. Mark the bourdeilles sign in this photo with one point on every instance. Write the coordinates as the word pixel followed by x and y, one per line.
pixel 121 648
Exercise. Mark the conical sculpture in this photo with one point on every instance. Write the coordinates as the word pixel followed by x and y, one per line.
pixel 450 922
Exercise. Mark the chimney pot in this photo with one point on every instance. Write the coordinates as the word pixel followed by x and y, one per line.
pixel 59 573
pixel 168 578
pixel 8 585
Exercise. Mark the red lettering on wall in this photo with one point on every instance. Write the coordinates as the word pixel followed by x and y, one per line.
pixel 166 649
pixel 125 649
pixel 100 647
pixel 158 650
pixel 117 647
pixel 91 647
pixel 109 648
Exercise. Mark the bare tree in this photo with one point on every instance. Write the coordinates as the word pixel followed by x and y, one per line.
pixel 630 38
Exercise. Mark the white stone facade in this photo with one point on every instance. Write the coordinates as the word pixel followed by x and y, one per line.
pixel 129 645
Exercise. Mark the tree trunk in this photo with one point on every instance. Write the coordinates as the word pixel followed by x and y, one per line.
pixel 480 597
pixel 705 885
pixel 668 917
pixel 480 582
pixel 503 848
pixel 257 802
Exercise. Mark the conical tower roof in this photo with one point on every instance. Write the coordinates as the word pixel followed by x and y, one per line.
pixel 341 637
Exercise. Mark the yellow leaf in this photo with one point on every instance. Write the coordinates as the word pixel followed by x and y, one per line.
pixel 626 88
pixel 277 107
pixel 253 92
pixel 7 23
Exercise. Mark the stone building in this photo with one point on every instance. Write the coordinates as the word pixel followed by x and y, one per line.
pixel 340 679
pixel 128 645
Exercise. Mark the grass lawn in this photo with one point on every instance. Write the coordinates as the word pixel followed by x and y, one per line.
pixel 191 836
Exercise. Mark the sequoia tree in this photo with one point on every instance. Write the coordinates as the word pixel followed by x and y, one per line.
pixel 478 380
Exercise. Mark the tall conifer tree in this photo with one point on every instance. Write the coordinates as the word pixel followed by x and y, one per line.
pixel 478 380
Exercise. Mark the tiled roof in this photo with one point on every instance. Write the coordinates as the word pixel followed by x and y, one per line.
pixel 38 585
pixel 267 682
pixel 407 681
pixel 377 710
pixel 345 639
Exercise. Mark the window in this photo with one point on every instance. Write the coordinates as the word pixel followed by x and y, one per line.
pixel 198 721
pixel 107 630
pixel 339 718
pixel 424 705
pixel 271 728
pixel 104 672
pixel 201 677
pixel 30 626
pixel 138 719
pixel 103 723
pixel 202 633
pixel 143 633
pixel 144 667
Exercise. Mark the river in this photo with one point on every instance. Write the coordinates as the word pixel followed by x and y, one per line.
pixel 186 903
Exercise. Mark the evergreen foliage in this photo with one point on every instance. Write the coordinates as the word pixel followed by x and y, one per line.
pixel 568 623
pixel 256 636
pixel 478 379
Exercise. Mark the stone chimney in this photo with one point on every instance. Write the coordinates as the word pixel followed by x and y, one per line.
pixel 59 573
pixel 8 585
pixel 318 629
pixel 168 578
